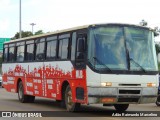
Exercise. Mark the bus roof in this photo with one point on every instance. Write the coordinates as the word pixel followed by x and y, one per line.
pixel 50 33
pixel 67 30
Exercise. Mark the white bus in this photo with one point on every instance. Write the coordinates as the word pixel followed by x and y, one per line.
pixel 109 64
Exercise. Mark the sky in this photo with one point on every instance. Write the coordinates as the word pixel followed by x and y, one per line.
pixel 53 15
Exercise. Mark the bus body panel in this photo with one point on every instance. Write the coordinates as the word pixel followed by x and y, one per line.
pixel 122 86
pixel 87 52
pixel 44 79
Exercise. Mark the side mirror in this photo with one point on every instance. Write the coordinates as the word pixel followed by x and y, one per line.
pixel 81 45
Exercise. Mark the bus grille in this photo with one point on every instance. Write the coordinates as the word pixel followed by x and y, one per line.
pixel 129 91
pixel 129 84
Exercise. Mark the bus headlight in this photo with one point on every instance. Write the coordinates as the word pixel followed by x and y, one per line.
pixel 151 84
pixel 106 84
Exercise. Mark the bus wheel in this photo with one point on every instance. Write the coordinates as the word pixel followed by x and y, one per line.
pixel 70 105
pixel 22 97
pixel 121 107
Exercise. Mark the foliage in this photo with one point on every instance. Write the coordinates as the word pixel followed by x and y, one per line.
pixel 23 33
pixel 39 32
pixel 26 34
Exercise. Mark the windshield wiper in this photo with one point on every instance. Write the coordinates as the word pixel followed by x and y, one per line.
pixel 131 59
pixel 101 63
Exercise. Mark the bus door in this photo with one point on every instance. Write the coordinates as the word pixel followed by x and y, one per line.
pixel 80 66
pixel 39 81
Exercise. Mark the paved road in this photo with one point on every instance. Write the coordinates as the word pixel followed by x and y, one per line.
pixel 9 102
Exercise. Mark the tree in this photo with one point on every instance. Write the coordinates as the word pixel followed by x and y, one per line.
pixel 23 33
pixel 39 32
pixel 26 34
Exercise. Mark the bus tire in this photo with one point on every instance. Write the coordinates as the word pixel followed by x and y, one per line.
pixel 70 106
pixel 121 107
pixel 22 97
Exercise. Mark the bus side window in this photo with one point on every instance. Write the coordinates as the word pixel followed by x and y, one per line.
pixel 80 48
pixel 73 47
pixel 30 52
pixel 63 48
pixel 5 55
pixel 40 49
pixel 51 50
pixel 20 53
pixel 51 47
pixel 80 51
pixel 11 57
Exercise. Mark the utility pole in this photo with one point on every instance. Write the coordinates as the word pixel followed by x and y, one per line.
pixel 32 24
pixel 20 33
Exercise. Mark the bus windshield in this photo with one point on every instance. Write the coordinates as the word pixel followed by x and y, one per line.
pixel 122 48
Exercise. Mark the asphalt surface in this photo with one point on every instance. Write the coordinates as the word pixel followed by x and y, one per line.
pixel 9 102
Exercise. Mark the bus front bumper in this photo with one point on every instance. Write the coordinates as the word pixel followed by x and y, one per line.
pixel 125 95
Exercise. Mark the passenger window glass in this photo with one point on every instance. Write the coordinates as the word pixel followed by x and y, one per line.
pixel 11 54
pixel 30 52
pixel 51 49
pixel 5 54
pixel 63 48
pixel 20 54
pixel 40 51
